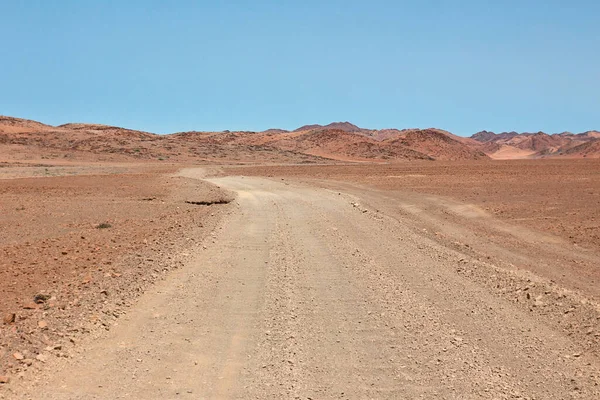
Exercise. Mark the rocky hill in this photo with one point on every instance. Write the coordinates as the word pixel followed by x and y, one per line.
pixel 338 141
pixel 511 145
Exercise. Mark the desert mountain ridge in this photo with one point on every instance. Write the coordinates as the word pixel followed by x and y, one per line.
pixel 538 144
pixel 337 141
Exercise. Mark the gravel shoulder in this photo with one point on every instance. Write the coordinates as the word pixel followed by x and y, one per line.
pixel 76 251
pixel 331 292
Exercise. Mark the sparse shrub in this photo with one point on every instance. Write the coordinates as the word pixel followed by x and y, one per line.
pixel 103 225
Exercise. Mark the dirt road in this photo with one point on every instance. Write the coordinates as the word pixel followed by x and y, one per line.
pixel 311 293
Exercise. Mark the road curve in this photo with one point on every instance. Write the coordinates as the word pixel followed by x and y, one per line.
pixel 306 293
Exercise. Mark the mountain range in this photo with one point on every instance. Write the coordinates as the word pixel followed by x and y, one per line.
pixel 539 144
pixel 338 141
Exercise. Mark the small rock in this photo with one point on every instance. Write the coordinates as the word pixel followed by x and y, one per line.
pixel 41 298
pixel 9 318
pixel 538 301
pixel 30 306
pixel 18 356
pixel 43 325
pixel 457 341
pixel 4 379
pixel 42 358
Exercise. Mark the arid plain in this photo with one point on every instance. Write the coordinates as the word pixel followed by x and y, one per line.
pixel 329 262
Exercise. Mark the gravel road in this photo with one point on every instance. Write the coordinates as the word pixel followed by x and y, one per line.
pixel 308 293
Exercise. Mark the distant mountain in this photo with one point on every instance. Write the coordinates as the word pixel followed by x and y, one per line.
pixel 16 125
pixel 341 126
pixel 534 145
pixel 275 131
pixel 438 144
pixel 587 149
pixel 590 134
pixel 309 143
pixel 308 127
pixel 487 136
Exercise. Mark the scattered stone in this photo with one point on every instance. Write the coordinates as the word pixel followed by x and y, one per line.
pixel 18 356
pixel 43 325
pixel 4 379
pixel 41 298
pixel 42 358
pixel 30 306
pixel 457 341
pixel 538 303
pixel 9 318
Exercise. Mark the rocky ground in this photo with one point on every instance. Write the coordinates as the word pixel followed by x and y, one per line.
pixel 77 250
pixel 561 197
pixel 411 280
pixel 322 292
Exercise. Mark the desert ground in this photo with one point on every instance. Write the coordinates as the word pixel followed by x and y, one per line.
pixel 303 276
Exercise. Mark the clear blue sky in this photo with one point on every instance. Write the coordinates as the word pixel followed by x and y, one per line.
pixel 166 66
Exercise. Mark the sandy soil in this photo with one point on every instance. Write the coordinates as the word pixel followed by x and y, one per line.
pixel 560 197
pixel 511 153
pixel 77 249
pixel 316 292
pixel 427 280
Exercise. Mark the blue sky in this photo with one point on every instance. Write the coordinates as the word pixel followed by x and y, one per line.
pixel 167 66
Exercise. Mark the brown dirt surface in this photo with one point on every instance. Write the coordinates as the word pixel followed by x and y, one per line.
pixel 557 197
pixel 76 250
pixel 334 289
pixel 267 265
